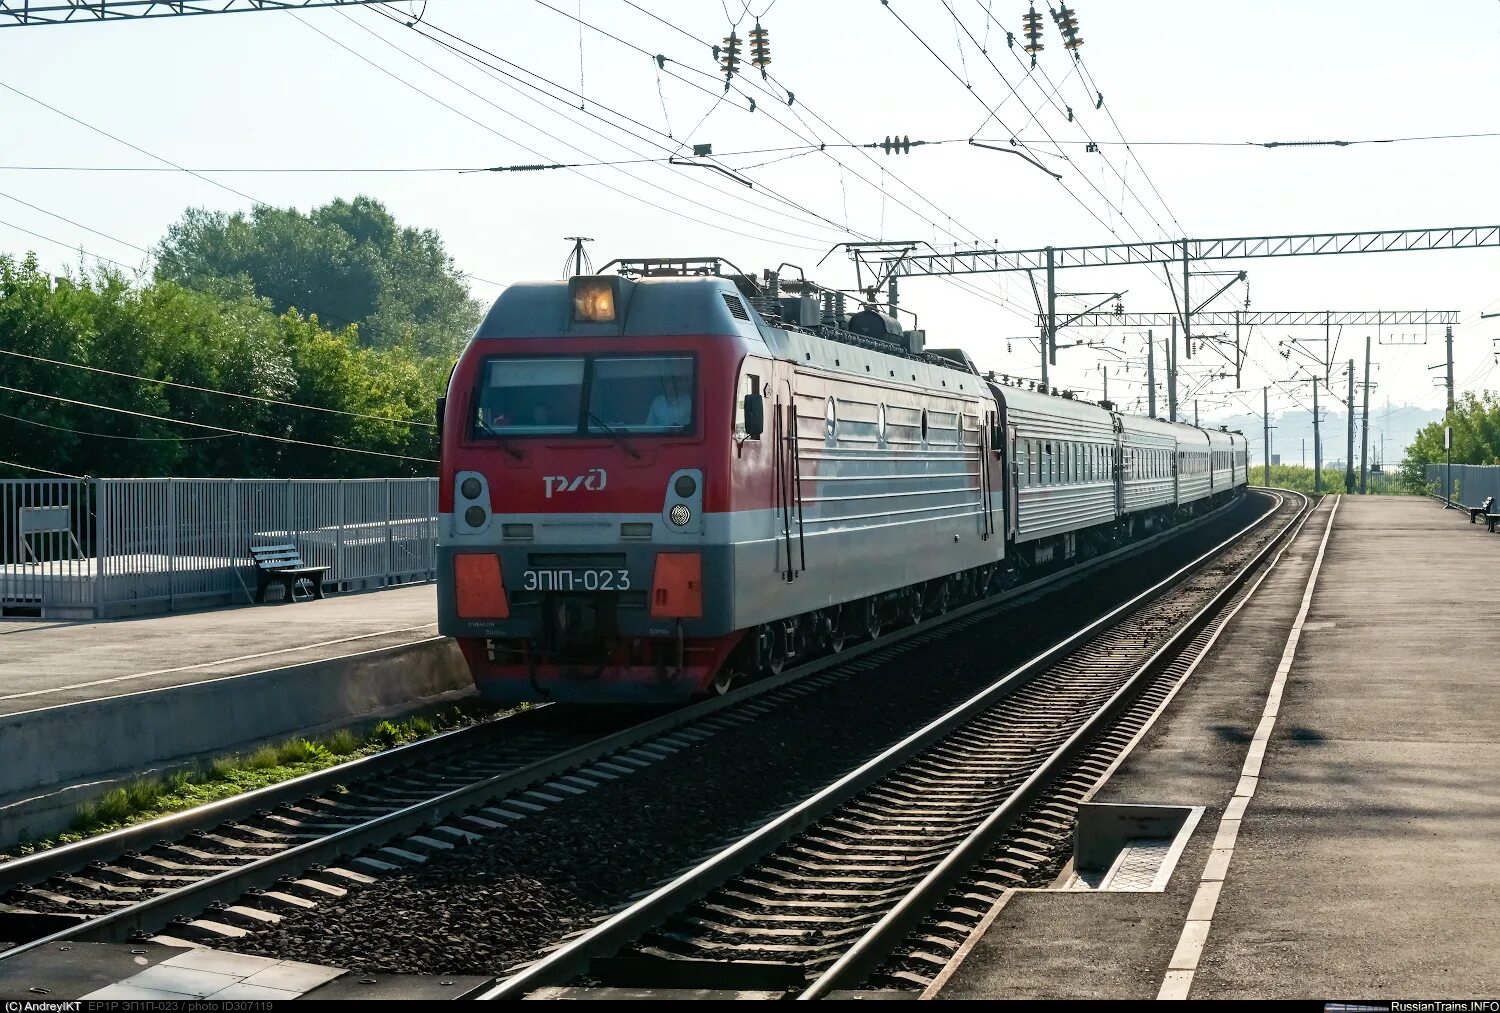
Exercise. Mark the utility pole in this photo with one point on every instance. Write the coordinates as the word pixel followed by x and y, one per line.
pixel 1172 376
pixel 1265 414
pixel 1195 412
pixel 1448 338
pixel 1105 371
pixel 1349 449
pixel 1238 356
pixel 1187 308
pixel 1364 427
pixel 1049 340
pixel 1304 451
pixel 1448 428
pixel 1150 374
pixel 1317 444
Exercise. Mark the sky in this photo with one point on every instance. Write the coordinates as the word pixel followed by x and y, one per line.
pixel 335 94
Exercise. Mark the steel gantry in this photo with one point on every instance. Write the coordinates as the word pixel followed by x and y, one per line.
pixel 24 13
pixel 1170 251
pixel 1052 259
pixel 1266 318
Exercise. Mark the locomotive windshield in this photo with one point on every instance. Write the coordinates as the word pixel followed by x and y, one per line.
pixel 585 396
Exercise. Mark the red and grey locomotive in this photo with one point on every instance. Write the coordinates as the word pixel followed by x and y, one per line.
pixel 658 481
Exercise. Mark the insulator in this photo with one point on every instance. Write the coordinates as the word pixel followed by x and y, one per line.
pixel 773 285
pixel 760 48
pixel 1033 31
pixel 838 308
pixel 729 55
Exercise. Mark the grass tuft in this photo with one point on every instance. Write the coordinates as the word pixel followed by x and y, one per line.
pixel 233 774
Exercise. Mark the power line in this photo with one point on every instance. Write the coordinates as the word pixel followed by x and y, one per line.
pixel 489 129
pixel 39 471
pixel 823 147
pixel 165 161
pixel 491 71
pixel 110 436
pixel 70 246
pixel 220 429
pixel 80 225
pixel 213 390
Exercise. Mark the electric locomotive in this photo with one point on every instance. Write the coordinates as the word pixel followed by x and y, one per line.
pixel 658 481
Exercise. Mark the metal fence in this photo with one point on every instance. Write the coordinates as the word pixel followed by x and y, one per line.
pixel 116 546
pixel 1472 483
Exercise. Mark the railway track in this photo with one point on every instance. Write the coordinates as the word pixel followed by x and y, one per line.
pixel 213 873
pixel 854 886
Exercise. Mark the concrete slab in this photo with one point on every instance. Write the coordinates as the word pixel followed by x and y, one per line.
pixel 1087 945
pixel 85 705
pixel 1369 859
pixel 43 664
pixel 1366 860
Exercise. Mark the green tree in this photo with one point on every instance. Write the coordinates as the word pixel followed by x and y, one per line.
pixel 223 341
pixel 1476 438
pixel 347 262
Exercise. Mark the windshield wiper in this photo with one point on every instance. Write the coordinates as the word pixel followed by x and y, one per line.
pixel 618 437
pixel 502 440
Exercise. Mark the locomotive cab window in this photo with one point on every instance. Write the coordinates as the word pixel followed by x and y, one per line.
pixel 641 395
pixel 585 396
pixel 529 396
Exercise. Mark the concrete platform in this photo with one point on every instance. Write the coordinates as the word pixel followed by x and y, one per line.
pixel 1350 847
pixel 82 704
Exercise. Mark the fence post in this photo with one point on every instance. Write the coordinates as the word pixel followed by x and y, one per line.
pixel 100 492
pixel 338 560
pixel 171 544
pixel 432 533
pixel 390 559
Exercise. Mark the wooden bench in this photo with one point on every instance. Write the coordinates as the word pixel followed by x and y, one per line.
pixel 282 564
pixel 1483 510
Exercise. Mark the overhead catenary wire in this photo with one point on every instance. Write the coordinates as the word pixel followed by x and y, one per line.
pixel 220 393
pixel 525 147
pixel 796 109
pixel 220 429
pixel 672 149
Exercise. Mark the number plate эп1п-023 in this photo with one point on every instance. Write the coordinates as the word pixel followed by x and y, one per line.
pixel 575 580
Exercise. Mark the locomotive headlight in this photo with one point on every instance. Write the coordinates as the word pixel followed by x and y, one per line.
pixel 470 488
pixel 680 515
pixel 474 516
pixel 594 300
pixel 685 485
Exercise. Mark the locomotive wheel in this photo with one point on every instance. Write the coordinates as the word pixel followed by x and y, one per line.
pixel 913 607
pixel 727 677
pixel 940 600
pixel 772 649
pixel 872 618
pixel 837 635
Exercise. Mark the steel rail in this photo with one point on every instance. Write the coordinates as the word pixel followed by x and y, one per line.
pixel 350 841
pixel 43 865
pixel 871 949
pixel 572 959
